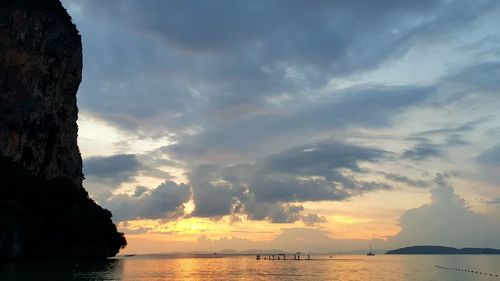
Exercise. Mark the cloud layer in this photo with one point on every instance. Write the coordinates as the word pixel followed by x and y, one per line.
pixel 446 220
pixel 255 109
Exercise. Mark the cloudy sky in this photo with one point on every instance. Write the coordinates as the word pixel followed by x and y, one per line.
pixel 318 126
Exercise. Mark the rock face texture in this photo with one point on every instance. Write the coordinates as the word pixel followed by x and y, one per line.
pixel 44 210
pixel 40 71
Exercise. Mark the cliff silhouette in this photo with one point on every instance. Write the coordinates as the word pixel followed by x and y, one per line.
pixel 44 209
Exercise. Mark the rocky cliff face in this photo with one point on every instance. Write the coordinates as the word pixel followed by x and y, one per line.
pixel 40 71
pixel 44 210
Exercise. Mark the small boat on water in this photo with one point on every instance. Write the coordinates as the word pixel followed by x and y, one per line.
pixel 370 253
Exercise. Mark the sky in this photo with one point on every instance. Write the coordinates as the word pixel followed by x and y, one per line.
pixel 319 126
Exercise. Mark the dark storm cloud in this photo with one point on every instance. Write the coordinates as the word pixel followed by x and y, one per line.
pixel 367 106
pixel 213 201
pixel 186 61
pixel 275 213
pixel 313 219
pixel 266 188
pixel 304 31
pixel 212 198
pixel 139 191
pixel 117 168
pixel 312 173
pixel 235 84
pixel 104 174
pixel 120 168
pixel 320 159
pixel 163 202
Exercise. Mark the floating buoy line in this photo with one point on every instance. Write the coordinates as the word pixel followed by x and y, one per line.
pixel 470 271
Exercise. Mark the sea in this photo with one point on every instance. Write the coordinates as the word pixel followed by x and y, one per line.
pixel 238 267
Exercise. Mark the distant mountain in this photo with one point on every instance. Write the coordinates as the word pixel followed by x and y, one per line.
pixel 262 252
pixel 233 252
pixel 228 252
pixel 249 252
pixel 440 250
pixel 359 252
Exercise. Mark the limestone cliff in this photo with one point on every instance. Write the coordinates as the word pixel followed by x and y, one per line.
pixel 40 71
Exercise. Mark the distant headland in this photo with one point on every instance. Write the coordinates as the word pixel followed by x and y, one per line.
pixel 441 250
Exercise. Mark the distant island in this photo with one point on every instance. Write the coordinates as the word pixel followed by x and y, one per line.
pixel 441 250
pixel 232 252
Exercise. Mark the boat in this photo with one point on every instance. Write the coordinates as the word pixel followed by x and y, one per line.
pixel 370 253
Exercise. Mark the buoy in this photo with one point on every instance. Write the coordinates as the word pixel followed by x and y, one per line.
pixel 468 270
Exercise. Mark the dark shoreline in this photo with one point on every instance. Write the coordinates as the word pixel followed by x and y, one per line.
pixel 441 250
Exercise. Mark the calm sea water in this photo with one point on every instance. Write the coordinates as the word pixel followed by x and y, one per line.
pixel 215 267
